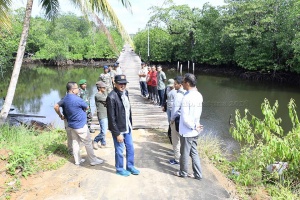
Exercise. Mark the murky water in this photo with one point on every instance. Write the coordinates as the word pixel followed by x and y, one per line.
pixel 40 88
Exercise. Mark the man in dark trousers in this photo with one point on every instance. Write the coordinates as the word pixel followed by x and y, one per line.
pixel 120 125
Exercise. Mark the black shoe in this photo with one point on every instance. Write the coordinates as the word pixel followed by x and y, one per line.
pixel 92 130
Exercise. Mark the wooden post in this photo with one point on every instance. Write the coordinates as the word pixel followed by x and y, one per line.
pixel 188 66
pixel 193 68
pixel 177 66
pixel 181 69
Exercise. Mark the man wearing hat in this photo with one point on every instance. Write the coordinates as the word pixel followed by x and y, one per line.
pixel 83 93
pixel 100 100
pixel 106 78
pixel 142 74
pixel 120 125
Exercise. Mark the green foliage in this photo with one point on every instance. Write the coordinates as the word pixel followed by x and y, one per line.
pixel 261 35
pixel 29 150
pixel 265 142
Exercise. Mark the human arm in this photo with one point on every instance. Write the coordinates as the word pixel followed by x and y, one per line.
pixel 111 116
pixel 57 110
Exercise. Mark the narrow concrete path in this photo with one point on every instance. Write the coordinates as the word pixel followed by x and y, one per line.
pixel 156 180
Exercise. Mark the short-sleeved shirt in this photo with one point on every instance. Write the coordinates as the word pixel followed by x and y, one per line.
pixel 154 78
pixel 145 72
pixel 106 78
pixel 100 100
pixel 75 108
pixel 148 77
pixel 60 103
pixel 161 77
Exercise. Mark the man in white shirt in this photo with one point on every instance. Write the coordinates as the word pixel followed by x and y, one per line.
pixel 142 74
pixel 190 128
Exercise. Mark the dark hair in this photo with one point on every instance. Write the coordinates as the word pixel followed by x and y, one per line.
pixel 70 85
pixel 178 79
pixel 191 79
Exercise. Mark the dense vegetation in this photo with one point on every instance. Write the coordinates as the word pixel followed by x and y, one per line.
pixel 262 35
pixel 69 37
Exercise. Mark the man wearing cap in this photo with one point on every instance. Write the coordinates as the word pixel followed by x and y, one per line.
pixel 75 111
pixel 120 125
pixel 142 74
pixel 100 100
pixel 83 93
pixel 106 78
pixel 118 68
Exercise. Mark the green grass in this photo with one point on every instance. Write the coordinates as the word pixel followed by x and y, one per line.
pixel 29 151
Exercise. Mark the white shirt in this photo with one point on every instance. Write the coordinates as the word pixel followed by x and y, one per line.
pixel 143 71
pixel 179 94
pixel 190 112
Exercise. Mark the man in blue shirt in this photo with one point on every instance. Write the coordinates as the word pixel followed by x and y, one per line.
pixel 75 110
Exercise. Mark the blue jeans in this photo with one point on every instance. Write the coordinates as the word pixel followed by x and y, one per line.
pixel 103 129
pixel 144 90
pixel 161 94
pixel 119 147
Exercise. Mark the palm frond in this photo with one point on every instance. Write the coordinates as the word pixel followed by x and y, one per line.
pixel 51 8
pixel 4 16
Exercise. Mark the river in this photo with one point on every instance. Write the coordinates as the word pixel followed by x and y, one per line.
pixel 39 88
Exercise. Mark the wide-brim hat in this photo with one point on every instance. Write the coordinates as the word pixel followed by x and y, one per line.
pixel 120 79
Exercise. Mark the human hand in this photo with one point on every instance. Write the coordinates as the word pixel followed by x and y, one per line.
pixel 120 138
pixel 199 128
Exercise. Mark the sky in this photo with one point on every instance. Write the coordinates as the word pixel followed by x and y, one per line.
pixel 131 21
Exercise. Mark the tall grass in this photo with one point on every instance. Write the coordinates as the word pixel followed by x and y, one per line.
pixel 29 149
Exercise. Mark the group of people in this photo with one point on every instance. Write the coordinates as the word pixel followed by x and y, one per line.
pixel 152 83
pixel 113 112
pixel 183 104
pixel 180 99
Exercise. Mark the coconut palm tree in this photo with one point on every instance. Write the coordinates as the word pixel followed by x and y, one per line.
pixel 51 8
pixel 4 9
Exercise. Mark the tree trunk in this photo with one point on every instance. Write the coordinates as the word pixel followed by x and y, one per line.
pixel 17 66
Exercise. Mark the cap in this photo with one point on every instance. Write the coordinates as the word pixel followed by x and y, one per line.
pixel 82 81
pixel 170 82
pixel 105 67
pixel 120 79
pixel 100 84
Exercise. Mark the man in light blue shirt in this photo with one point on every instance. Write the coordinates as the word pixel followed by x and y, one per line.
pixel 190 128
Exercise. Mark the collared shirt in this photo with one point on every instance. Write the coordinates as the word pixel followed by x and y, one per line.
pixel 161 77
pixel 170 97
pixel 75 108
pixel 177 103
pixel 190 112
pixel 100 100
pixel 126 105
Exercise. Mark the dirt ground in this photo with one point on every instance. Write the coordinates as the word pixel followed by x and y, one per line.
pixel 156 180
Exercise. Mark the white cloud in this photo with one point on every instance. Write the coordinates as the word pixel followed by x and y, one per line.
pixel 131 21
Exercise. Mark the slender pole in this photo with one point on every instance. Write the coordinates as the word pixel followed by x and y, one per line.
pixel 148 46
pixel 177 66
pixel 188 66
pixel 181 69
pixel 193 68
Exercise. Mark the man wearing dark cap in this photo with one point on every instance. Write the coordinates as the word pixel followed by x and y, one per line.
pixel 120 125
pixel 100 100
pixel 106 78
pixel 83 93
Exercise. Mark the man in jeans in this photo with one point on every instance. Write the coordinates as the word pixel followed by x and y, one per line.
pixel 100 100
pixel 75 110
pixel 190 128
pixel 142 74
pixel 161 79
pixel 120 125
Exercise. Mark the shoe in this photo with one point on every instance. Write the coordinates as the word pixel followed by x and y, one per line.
pixel 178 174
pixel 134 171
pixel 173 162
pixel 92 130
pixel 123 173
pixel 81 161
pixel 95 145
pixel 97 162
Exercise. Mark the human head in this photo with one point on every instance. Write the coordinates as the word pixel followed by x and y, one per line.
pixel 159 68
pixel 189 81
pixel 153 68
pixel 101 86
pixel 72 88
pixel 171 83
pixel 142 65
pixel 120 82
pixel 149 68
pixel 82 84
pixel 105 69
pixel 178 82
